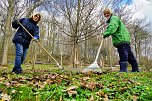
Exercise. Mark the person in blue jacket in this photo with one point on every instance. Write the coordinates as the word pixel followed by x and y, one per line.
pixel 22 39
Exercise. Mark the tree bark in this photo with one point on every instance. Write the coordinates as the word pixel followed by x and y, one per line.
pixel 7 31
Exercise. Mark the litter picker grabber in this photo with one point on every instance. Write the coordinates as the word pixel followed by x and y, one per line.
pixel 41 46
pixel 94 67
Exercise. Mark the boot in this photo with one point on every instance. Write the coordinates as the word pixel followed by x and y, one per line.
pixel 135 67
pixel 14 70
pixel 123 67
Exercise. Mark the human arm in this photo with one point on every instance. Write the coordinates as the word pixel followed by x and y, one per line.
pixel 112 27
pixel 36 34
pixel 15 23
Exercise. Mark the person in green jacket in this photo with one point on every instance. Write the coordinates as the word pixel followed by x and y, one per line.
pixel 121 40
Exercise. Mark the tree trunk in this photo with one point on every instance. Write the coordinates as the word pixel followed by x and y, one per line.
pixel 7 31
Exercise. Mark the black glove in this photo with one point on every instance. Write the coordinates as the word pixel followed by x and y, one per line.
pixel 17 21
pixel 104 37
pixel 15 24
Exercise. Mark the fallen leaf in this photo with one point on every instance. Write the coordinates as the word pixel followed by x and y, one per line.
pixel 123 89
pixel 106 98
pixel 71 88
pixel 13 91
pixel 72 92
pixel 89 85
pixel 5 97
pixel 134 98
pixel 91 98
pixel 85 78
pixel 100 93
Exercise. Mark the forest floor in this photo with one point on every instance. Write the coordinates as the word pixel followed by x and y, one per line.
pixel 48 83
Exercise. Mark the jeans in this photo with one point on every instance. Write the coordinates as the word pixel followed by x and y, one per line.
pixel 126 55
pixel 21 52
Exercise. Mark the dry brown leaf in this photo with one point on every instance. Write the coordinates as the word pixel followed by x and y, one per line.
pixel 85 78
pixel 123 89
pixel 59 81
pixel 13 91
pixel 130 81
pixel 106 98
pixel 111 85
pixel 91 98
pixel 64 76
pixel 100 93
pixel 99 85
pixel 90 85
pixel 61 98
pixel 8 84
pixel 72 92
pixel 1 79
pixel 5 97
pixel 71 88
pixel 48 81
pixel 134 98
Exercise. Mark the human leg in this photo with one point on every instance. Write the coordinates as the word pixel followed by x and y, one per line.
pixel 123 55
pixel 19 52
pixel 25 49
pixel 132 60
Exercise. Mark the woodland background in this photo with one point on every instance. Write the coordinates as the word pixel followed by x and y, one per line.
pixel 71 30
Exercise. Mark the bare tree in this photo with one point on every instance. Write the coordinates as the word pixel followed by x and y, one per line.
pixel 9 4
pixel 139 34
pixel 78 17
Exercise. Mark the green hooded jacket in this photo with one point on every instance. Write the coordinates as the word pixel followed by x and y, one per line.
pixel 117 30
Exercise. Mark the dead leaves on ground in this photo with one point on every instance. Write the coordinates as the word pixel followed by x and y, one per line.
pixel 36 81
pixel 72 84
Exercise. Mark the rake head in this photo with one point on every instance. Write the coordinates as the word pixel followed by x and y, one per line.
pixel 94 67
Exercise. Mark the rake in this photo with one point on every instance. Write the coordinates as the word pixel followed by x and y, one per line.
pixel 41 46
pixel 94 67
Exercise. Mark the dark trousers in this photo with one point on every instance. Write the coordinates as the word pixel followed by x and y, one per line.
pixel 126 55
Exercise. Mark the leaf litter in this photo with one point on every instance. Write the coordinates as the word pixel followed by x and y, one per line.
pixel 70 85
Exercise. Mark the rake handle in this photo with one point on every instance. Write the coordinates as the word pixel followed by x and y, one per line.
pixel 40 45
pixel 99 50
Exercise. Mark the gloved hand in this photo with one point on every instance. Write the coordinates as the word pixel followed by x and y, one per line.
pixel 104 37
pixel 17 21
pixel 35 39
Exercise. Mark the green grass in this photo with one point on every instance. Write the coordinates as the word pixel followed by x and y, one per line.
pixel 48 83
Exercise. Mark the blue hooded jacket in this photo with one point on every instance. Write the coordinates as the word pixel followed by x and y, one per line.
pixel 21 36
